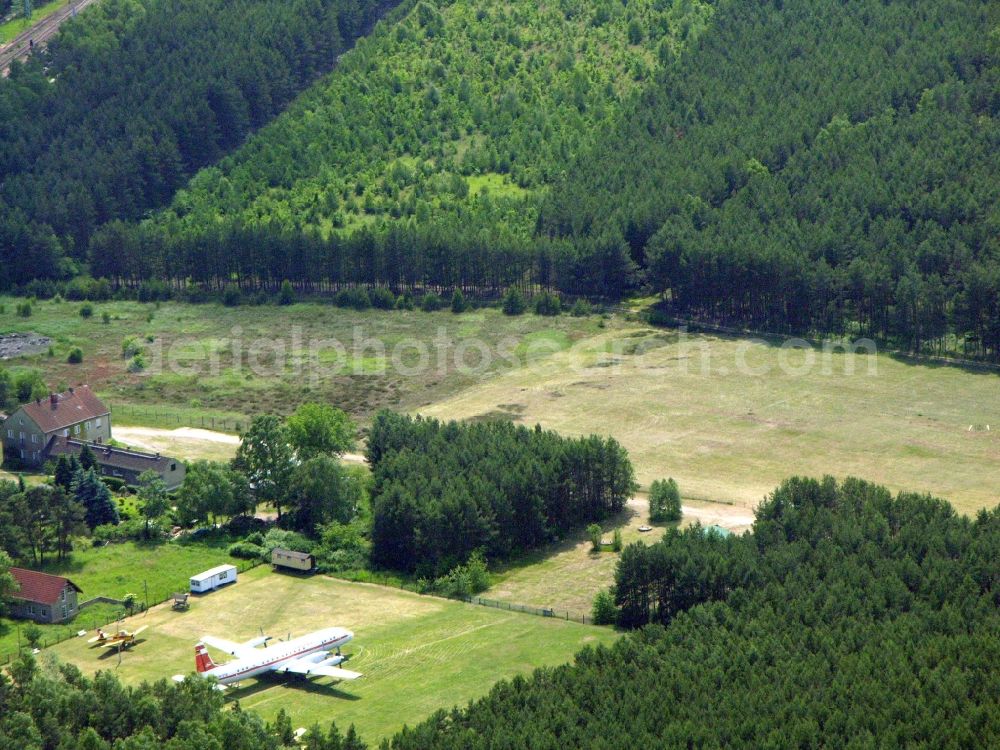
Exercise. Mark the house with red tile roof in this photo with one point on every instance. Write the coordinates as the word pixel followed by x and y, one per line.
pixel 63 423
pixel 43 597
pixel 77 414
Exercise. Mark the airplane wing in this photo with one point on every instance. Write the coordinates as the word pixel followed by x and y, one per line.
pixel 301 666
pixel 238 650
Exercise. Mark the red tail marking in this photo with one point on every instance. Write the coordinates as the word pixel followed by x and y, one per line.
pixel 202 661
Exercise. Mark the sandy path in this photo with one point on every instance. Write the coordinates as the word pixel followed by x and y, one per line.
pixel 733 517
pixel 136 434
pixel 189 443
pixel 192 442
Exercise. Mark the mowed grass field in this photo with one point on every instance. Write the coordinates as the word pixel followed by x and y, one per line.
pixel 120 569
pixel 567 576
pixel 418 654
pixel 730 418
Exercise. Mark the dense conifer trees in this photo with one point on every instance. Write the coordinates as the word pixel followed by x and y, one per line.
pixel 849 617
pixel 444 490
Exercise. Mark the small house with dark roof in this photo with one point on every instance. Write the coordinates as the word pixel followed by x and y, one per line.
pixel 77 414
pixel 121 463
pixel 43 597
pixel 63 423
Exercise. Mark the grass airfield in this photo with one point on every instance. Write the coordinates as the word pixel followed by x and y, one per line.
pixel 730 418
pixel 418 654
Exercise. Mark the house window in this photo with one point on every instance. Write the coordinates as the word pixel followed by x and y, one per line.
pixel 31 609
pixel 34 437
pixel 76 429
pixel 10 433
pixel 97 423
pixel 173 467
pixel 86 426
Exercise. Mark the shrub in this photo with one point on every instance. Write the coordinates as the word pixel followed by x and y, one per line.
pixel 465 580
pixel 75 356
pixel 664 501
pixel 382 298
pixel 247 551
pixel 604 612
pixel 40 289
pixel 616 541
pixel 136 364
pixel 287 295
pixel 105 317
pixel 115 484
pixel 580 308
pixel 131 347
pixel 594 534
pixel 249 527
pixel 290 540
pixel 658 317
pixel 513 302
pixel 232 296
pixel 353 297
pixel 132 529
pixel 32 634
pixel 431 302
pixel 86 310
pixel 405 301
pixel 548 303
pixel 458 302
pixel 24 309
pixel 479 575
pixel 344 546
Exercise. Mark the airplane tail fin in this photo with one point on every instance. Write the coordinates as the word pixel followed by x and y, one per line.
pixel 202 661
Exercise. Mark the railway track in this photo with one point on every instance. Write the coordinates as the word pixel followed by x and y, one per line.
pixel 21 46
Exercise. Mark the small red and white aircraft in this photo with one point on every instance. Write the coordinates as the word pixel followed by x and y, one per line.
pixel 308 655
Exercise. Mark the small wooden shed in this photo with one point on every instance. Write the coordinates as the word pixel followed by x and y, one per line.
pixel 286 558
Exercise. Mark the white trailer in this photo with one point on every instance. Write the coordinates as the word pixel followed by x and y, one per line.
pixel 213 579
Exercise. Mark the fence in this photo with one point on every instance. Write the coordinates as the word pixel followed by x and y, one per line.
pixel 79 622
pixel 205 421
pixel 399 583
pixel 539 611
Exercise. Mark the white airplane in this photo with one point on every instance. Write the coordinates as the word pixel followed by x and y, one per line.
pixel 308 656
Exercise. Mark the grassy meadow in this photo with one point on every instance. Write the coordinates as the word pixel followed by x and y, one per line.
pixel 728 417
pixel 120 569
pixel 417 654
pixel 208 361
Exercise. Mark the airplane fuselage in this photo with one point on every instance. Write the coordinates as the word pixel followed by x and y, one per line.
pixel 272 658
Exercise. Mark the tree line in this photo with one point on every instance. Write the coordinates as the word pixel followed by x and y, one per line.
pixel 441 491
pixel 43 708
pixel 133 97
pixel 847 617
pixel 752 181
